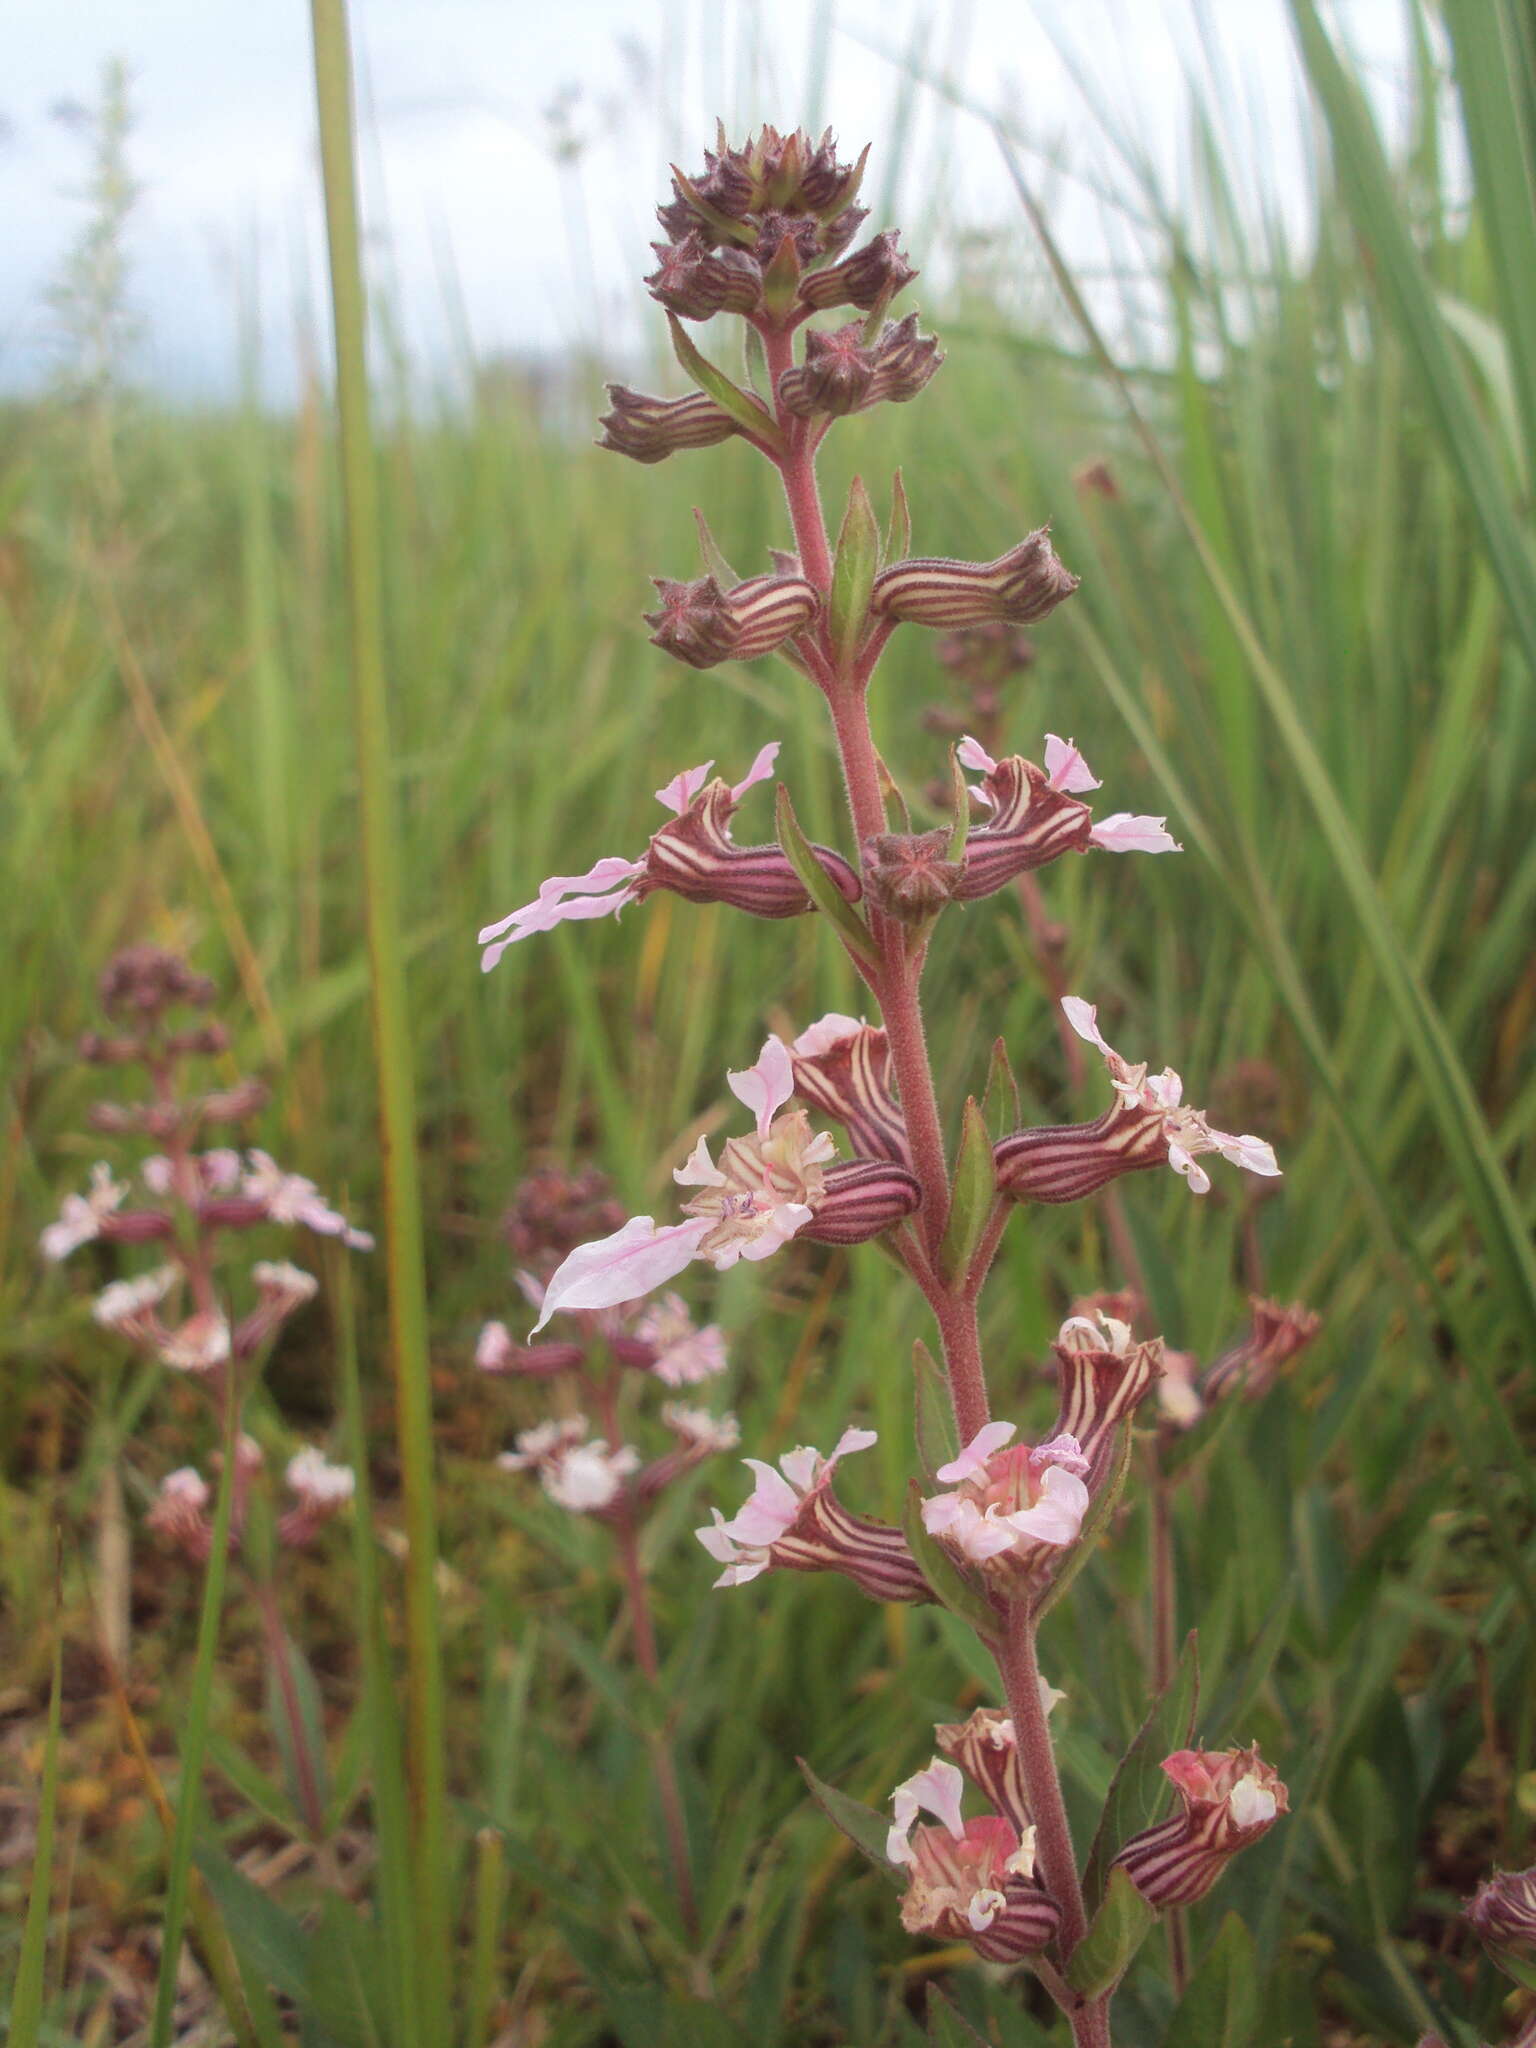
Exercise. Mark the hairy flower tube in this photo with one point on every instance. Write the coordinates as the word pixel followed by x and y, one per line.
pixel 695 857
pixel 842 1067
pixel 1149 1125
pixel 1033 817
pixel 967 1880
pixel 795 1522
pixel 1228 1798
pixel 1502 1913
pixel 765 1189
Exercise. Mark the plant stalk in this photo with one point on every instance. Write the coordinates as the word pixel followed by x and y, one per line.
pixel 392 1047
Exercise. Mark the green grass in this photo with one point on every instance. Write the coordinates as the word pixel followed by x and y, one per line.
pixel 1304 631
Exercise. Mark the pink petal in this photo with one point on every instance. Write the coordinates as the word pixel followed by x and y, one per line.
pixel 680 792
pixel 1248 1152
pixel 622 1267
pixel 1057 1516
pixel 939 1790
pixel 850 1441
pixel 1063 1453
pixel 1125 833
pixel 1066 766
pixel 699 1170
pixel 825 1033
pixel 760 770
pixel 782 1224
pixel 972 1461
pixel 972 754
pixel 767 1086
pixel 1084 1019
pixel 1185 1163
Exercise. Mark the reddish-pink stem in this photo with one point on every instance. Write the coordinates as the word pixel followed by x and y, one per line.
pixel 303 1761
pixel 626 1532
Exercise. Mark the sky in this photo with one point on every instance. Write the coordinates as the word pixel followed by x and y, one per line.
pixel 512 149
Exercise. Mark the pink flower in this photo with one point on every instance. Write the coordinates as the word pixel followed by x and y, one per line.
pixel 81 1216
pixel 1228 1799
pixel 321 1490
pixel 585 1479
pixel 1033 817
pixel 290 1198
pixel 180 1513
pixel 794 1522
pixel 1184 1131
pixel 199 1345
pixel 1012 1507
pixel 684 1355
pixel 214 1173
pixel 131 1307
pixel 938 1790
pixel 765 1189
pixel 694 856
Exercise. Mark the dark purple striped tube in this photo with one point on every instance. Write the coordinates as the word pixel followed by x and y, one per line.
pixel 1018 588
pixel 1065 1162
pixel 863 1197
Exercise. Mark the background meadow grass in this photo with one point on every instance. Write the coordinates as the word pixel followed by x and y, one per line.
pixel 1307 630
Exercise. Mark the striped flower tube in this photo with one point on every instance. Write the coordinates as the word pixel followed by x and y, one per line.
pixel 1029 824
pixel 862 1198
pixel 843 374
pixel 1018 588
pixel 968 1880
pixel 877 271
pixel 843 1068
pixel 1229 1799
pixel 1066 1162
pixel 1103 1376
pixel 702 625
pixel 794 1522
pixel 650 429
pixel 696 857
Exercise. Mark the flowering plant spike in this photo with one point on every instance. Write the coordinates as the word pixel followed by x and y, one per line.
pixel 766 233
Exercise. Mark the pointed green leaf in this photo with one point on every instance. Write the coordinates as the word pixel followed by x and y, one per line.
pixel 1001 1103
pixel 723 224
pixel 1138 1787
pixel 713 381
pixel 819 885
pixel 948 2028
pixel 898 538
pixel 971 1196
pixel 781 280
pixel 936 1439
pixel 960 797
pixel 948 1584
pixel 866 1829
pixel 1221 2007
pixel 759 377
pixel 853 575
pixel 1105 1952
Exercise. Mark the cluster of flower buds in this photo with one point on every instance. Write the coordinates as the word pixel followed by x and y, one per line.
pixel 1149 1125
pixel 760 230
pixel 181 1199
pixel 182 1508
pixel 583 1473
pixel 694 856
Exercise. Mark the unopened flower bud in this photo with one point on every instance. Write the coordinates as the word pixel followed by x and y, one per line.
pixel 877 271
pixel 1502 1913
pixel 702 626
pixel 842 374
pixel 650 429
pixel 1104 1375
pixel 910 874
pixel 1274 1337
pixel 1018 588
pixel 844 1069
pixel 180 1513
pixel 1230 1798
pixel 498 1354
pixel 697 281
pixel 863 1198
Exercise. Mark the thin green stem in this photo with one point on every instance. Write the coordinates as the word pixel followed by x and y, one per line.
pixel 391 1032
pixel 195 1741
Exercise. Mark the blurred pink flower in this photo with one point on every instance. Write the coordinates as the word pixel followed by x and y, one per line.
pixel 81 1216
